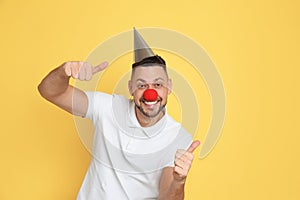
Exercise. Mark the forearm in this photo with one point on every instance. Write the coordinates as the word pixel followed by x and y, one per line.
pixel 56 89
pixel 175 191
pixel 54 84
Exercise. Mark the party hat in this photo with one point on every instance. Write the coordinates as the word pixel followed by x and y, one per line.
pixel 141 48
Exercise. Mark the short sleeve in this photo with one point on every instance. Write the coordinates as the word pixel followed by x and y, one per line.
pixel 98 102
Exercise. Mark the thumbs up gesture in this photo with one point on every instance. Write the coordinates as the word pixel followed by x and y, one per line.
pixel 82 70
pixel 183 162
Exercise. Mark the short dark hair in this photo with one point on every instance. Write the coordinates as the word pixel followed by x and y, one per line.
pixel 151 61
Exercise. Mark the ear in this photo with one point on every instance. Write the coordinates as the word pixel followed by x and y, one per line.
pixel 130 87
pixel 169 86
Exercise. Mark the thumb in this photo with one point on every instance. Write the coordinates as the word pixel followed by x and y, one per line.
pixel 193 146
pixel 99 67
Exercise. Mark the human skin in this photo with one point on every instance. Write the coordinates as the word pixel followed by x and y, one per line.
pixel 150 77
pixel 55 88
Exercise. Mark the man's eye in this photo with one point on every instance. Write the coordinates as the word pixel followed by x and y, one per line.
pixel 158 85
pixel 141 86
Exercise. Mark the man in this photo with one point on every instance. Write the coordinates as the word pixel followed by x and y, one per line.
pixel 138 149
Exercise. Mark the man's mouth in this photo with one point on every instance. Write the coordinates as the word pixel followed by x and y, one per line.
pixel 150 108
pixel 150 102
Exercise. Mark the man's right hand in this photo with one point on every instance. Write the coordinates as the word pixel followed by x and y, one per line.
pixel 56 89
pixel 82 70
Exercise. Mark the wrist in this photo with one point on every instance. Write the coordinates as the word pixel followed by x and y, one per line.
pixel 62 72
pixel 179 182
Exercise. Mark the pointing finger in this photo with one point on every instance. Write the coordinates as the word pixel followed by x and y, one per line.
pixel 193 146
pixel 100 67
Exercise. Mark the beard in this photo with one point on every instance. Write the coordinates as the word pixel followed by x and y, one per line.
pixel 150 115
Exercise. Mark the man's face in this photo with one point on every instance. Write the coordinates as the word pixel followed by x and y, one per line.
pixel 150 77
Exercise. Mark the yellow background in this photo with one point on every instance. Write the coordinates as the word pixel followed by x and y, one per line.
pixel 255 45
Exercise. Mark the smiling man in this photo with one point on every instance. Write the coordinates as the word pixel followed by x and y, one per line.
pixel 139 151
pixel 149 77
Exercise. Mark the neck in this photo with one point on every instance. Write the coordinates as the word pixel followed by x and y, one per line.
pixel 148 121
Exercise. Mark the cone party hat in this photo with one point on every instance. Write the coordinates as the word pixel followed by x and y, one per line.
pixel 141 48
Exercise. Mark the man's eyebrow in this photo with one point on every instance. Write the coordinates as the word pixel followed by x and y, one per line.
pixel 157 79
pixel 142 80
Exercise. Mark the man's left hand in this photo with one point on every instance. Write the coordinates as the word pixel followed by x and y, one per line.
pixel 183 162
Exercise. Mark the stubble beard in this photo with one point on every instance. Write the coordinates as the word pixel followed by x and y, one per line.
pixel 153 115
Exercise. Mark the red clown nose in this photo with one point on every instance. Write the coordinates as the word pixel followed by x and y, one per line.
pixel 150 95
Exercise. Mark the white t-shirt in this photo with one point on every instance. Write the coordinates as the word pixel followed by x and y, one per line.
pixel 127 159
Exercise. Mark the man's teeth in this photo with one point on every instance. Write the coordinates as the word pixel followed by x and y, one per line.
pixel 150 102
